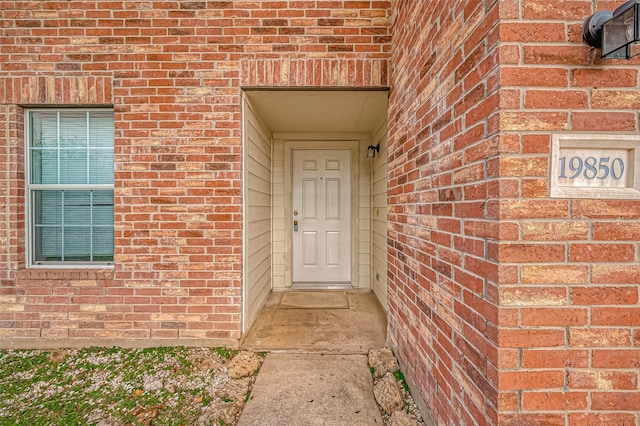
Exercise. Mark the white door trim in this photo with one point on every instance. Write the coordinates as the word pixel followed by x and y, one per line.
pixel 289 147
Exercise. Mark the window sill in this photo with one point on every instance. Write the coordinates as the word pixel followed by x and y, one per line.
pixel 65 273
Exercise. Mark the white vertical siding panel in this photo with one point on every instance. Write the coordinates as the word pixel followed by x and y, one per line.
pixel 257 215
pixel 364 216
pixel 379 212
pixel 278 215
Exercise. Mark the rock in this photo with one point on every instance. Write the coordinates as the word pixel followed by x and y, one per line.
pixel 58 356
pixel 146 415
pixel 243 365
pixel 383 361
pixel 387 394
pixel 223 413
pixel 152 385
pixel 204 361
pixel 400 418
pixel 234 390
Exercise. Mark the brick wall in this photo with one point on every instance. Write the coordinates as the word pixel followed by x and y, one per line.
pixel 507 306
pixel 443 148
pixel 173 71
pixel 570 275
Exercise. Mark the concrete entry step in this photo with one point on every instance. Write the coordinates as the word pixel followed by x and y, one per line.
pixel 312 390
pixel 330 325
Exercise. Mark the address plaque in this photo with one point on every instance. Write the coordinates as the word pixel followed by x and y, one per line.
pixel 595 166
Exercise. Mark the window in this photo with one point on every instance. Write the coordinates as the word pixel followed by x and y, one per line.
pixel 70 186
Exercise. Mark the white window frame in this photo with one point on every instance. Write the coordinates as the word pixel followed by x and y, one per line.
pixel 29 188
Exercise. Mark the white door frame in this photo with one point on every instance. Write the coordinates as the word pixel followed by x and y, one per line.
pixel 295 142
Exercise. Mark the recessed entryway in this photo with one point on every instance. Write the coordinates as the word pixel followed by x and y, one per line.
pixel 314 201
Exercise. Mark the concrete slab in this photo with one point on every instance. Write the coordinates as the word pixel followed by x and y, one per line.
pixel 344 331
pixel 312 390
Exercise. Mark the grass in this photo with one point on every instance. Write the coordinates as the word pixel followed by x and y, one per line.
pixel 400 378
pixel 165 386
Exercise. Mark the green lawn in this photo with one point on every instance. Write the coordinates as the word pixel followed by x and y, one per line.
pixel 111 386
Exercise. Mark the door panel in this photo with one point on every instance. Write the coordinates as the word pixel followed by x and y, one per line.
pixel 309 198
pixel 332 202
pixel 333 248
pixel 321 208
pixel 309 249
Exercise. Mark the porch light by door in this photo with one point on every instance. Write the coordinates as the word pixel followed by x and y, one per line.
pixel 372 150
pixel 617 33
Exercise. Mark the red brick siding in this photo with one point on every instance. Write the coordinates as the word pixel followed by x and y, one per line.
pixel 443 151
pixel 507 306
pixel 569 292
pixel 11 191
pixel 321 72
pixel 173 71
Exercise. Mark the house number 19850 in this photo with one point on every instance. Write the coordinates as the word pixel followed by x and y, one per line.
pixel 595 166
pixel 591 168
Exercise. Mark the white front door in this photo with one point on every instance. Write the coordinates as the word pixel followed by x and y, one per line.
pixel 321 222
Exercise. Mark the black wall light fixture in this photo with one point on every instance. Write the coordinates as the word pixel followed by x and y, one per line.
pixel 617 33
pixel 372 150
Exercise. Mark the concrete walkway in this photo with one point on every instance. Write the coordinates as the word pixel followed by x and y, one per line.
pixel 312 390
pixel 316 373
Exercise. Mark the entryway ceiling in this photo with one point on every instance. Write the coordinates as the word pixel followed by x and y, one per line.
pixel 301 111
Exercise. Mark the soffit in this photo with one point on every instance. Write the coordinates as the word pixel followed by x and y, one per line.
pixel 320 111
